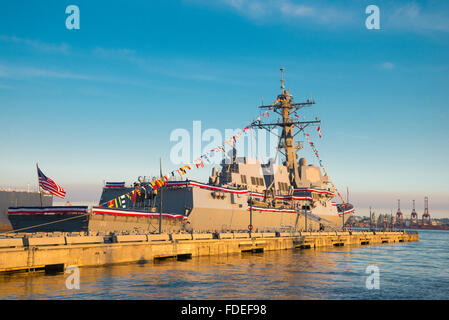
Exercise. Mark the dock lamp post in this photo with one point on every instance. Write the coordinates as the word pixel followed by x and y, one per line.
pixel 250 227
pixel 160 211
pixel 305 217
pixel 160 198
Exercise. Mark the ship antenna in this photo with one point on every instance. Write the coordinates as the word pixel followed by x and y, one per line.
pixel 282 80
pixel 284 108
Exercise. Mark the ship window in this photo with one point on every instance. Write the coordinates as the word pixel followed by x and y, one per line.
pixel 256 181
pixel 243 177
pixel 283 186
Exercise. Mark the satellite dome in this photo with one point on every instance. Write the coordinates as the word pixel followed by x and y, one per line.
pixel 303 162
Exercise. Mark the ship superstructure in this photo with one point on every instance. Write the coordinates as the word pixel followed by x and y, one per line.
pixel 293 195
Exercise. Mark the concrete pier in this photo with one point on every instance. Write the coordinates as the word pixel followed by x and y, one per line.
pixel 50 252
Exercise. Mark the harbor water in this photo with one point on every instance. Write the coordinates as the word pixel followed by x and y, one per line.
pixel 410 270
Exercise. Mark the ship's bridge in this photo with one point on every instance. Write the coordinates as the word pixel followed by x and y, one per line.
pixel 244 173
pixel 276 177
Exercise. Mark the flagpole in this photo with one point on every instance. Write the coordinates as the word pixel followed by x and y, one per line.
pixel 160 199
pixel 38 184
pixel 347 194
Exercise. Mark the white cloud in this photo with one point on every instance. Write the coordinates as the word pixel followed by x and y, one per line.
pixel 411 10
pixel 405 15
pixel 26 72
pixel 120 52
pixel 387 65
pixel 21 72
pixel 290 9
pixel 269 11
pixel 36 44
pixel 417 18
pixel 4 86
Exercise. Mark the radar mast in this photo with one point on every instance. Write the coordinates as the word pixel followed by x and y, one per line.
pixel 285 107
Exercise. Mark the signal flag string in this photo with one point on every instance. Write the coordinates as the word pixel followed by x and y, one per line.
pixel 321 163
pixel 198 162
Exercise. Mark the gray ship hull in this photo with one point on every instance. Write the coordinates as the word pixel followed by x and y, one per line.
pixel 95 221
pixel 213 208
pixel 66 222
pixel 210 208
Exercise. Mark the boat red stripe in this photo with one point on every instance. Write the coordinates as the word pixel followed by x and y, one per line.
pixel 347 212
pixel 316 191
pixel 273 210
pixel 205 186
pixel 254 194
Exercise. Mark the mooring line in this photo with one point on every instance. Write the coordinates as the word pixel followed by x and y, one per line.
pixel 47 223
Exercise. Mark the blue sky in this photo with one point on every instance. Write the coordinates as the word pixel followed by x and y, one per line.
pixel 99 103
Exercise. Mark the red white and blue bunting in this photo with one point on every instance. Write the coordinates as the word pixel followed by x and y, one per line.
pixel 244 191
pixel 47 210
pixel 134 213
pixel 274 210
pixel 205 186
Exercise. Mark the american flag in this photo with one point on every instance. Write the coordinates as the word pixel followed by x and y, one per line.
pixel 49 185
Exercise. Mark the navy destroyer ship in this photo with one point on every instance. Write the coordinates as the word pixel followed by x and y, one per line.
pixel 266 197
pixel 243 194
